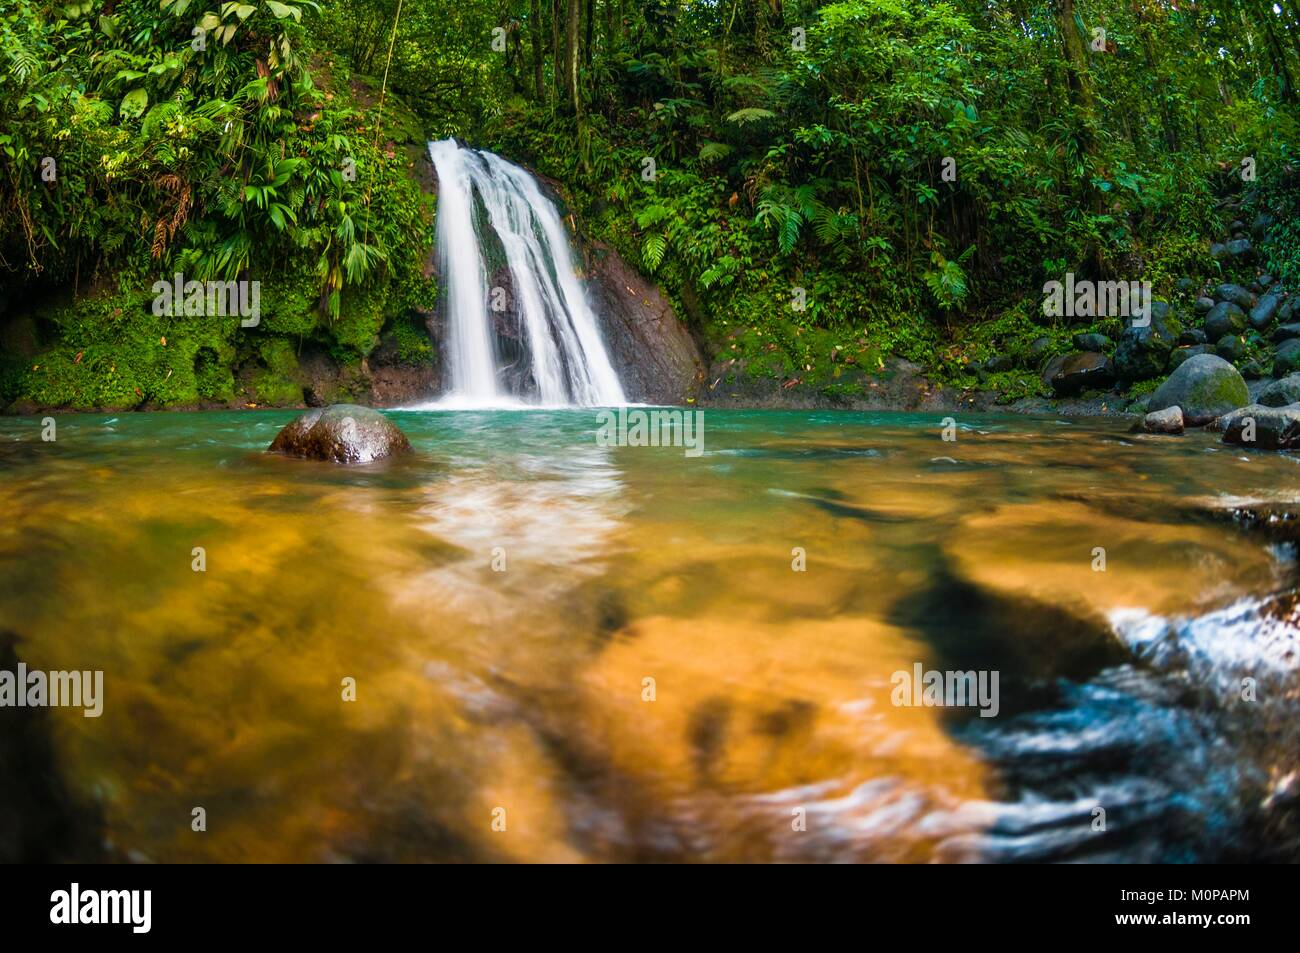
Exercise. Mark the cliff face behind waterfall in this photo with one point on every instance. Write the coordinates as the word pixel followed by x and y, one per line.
pixel 652 351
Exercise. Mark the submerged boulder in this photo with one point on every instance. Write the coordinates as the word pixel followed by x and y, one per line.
pixel 1205 387
pixel 343 433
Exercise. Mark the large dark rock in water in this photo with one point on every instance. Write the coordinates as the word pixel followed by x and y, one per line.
pixel 1205 387
pixel 343 433
pixel 1266 428
pixel 654 355
pixel 1072 373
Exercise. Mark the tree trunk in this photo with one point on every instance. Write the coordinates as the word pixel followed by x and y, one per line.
pixel 1160 81
pixel 1082 106
pixel 557 52
pixel 535 31
pixel 591 24
pixel 572 52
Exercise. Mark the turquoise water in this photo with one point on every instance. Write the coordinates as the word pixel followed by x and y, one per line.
pixel 629 653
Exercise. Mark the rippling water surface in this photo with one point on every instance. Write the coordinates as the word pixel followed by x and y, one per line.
pixel 522 694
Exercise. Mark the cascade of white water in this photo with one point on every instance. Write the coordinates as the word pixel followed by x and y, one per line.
pixel 478 190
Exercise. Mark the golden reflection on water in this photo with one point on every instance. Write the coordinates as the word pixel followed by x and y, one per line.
pixel 526 689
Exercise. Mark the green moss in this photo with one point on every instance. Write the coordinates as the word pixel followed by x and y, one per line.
pixel 290 304
pixel 1142 388
pixel 1219 390
pixel 112 351
pixel 413 345
pixel 278 383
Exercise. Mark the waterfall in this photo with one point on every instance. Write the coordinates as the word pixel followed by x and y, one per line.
pixel 519 327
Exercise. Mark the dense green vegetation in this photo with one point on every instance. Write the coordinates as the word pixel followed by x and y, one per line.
pixel 143 139
pixel 910 173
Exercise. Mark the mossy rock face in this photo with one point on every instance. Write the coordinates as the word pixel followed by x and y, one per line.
pixel 1224 318
pixel 1287 360
pixel 1205 387
pixel 1143 351
pixel 1281 393
pixel 342 433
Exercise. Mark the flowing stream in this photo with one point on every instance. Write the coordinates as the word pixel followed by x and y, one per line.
pixel 502 596
pixel 518 322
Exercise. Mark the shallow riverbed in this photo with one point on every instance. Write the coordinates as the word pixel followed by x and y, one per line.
pixel 503 597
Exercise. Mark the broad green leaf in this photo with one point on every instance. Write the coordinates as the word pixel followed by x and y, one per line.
pixel 134 103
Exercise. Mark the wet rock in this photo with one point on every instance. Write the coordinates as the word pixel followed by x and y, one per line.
pixel 1038 349
pixel 1205 387
pixel 1285 332
pixel 1072 373
pixel 1180 354
pixel 1238 295
pixel 1192 336
pixel 1143 352
pixel 1287 359
pixel 1203 305
pixel 653 353
pixel 1091 342
pixel 1280 393
pixel 999 362
pixel 1286 311
pixel 1218 251
pixel 1241 249
pixel 1167 421
pixel 1265 280
pixel 1230 347
pixel 1264 312
pixel 1264 428
pixel 343 433
pixel 1252 371
pixel 1224 318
